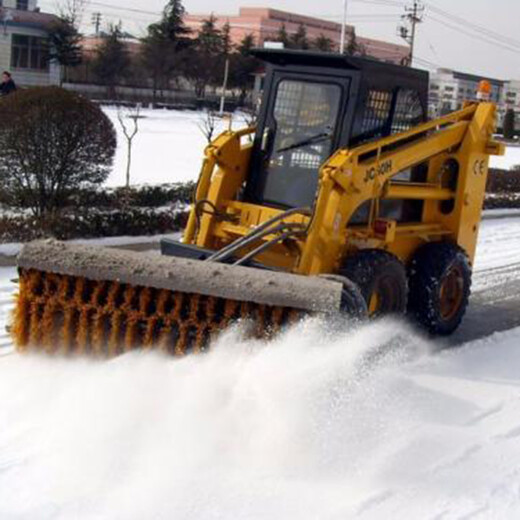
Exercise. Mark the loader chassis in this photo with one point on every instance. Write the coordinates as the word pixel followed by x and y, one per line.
pixel 343 190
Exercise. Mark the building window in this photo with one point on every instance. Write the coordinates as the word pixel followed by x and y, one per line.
pixel 22 5
pixel 449 89
pixel 29 52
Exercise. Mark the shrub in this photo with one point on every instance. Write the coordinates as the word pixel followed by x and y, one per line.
pixel 91 224
pixel 503 181
pixel 52 142
pixel 175 194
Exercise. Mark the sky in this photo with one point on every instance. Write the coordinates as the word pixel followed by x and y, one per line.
pixel 475 36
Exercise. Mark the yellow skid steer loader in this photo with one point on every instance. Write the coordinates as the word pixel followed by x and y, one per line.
pixel 343 200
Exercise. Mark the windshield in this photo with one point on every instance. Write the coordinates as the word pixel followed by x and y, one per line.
pixel 304 118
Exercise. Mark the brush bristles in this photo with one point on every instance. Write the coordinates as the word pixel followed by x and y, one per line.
pixel 66 314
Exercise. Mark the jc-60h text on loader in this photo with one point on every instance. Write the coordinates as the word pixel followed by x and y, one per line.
pixel 345 201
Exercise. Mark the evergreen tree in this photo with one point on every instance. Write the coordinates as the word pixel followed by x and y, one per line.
pixel 509 124
pixel 164 47
pixel 112 62
pixel 204 66
pixel 246 45
pixel 323 44
pixel 243 66
pixel 283 37
pixel 227 46
pixel 171 27
pixel 354 48
pixel 299 39
pixel 64 44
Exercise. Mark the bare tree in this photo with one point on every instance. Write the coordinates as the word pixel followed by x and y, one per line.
pixel 130 132
pixel 249 116
pixel 208 125
pixel 72 10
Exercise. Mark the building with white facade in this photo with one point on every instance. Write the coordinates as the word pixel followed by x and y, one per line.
pixel 23 43
pixel 449 89
pixel 511 100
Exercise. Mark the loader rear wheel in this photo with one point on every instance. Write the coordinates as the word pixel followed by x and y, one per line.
pixel 381 277
pixel 440 285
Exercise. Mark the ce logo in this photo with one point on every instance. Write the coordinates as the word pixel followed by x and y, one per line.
pixel 479 168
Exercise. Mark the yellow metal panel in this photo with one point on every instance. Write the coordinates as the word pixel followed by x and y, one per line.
pixel 351 178
pixel 416 191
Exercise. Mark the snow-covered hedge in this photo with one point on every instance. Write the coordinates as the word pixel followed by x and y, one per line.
pixel 104 212
pixel 143 196
pixel 94 223
pixel 149 210
pixel 503 181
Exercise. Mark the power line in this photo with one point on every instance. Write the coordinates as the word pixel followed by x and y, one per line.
pixel 474 36
pixel 477 28
pixel 424 61
pixel 393 3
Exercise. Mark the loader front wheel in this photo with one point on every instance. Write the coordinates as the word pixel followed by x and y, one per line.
pixel 352 302
pixel 440 285
pixel 381 277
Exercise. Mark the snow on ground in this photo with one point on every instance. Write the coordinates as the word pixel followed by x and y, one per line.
pixel 13 248
pixel 169 146
pixel 498 252
pixel 369 424
pixel 311 426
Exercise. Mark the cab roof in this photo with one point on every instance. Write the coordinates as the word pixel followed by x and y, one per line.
pixel 286 57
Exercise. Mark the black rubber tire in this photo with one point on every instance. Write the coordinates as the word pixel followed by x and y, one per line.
pixel 377 271
pixel 352 302
pixel 429 267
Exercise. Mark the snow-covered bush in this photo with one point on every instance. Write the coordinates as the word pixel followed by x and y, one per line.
pixel 52 142
pixel 504 181
pixel 90 224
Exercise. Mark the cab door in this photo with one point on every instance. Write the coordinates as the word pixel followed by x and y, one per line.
pixel 300 132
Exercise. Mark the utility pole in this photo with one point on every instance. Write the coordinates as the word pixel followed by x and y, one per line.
pixel 407 30
pixel 224 88
pixel 96 22
pixel 343 29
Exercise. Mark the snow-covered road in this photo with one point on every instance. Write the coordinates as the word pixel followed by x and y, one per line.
pixel 370 424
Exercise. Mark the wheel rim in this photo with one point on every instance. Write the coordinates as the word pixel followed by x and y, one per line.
pixel 451 292
pixel 373 304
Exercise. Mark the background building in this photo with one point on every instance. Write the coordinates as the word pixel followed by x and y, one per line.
pixel 265 24
pixel 449 89
pixel 23 43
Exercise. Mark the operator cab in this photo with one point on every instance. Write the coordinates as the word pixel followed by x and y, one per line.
pixel 316 103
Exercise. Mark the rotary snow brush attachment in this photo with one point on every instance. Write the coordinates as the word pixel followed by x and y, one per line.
pixel 83 299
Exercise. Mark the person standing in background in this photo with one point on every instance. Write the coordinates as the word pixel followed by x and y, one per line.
pixel 8 85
